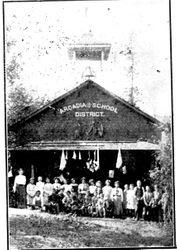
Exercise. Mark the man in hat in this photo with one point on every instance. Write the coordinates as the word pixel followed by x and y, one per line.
pixel 19 189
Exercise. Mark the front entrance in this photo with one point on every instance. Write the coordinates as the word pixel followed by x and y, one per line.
pixel 47 163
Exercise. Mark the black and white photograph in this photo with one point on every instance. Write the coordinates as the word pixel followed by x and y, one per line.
pixel 89 124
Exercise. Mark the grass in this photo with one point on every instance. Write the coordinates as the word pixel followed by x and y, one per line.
pixel 31 229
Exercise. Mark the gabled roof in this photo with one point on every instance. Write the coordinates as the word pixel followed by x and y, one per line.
pixel 84 84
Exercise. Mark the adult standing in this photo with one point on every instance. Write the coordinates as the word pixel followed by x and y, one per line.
pixel 117 198
pixel 107 190
pixel 139 195
pixel 156 209
pixel 19 189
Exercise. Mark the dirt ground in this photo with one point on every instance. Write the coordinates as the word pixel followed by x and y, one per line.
pixel 38 230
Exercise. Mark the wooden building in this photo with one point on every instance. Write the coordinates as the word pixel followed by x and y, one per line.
pixel 83 121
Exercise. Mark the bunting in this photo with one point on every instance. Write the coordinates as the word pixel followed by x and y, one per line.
pixel 94 164
pixel 97 163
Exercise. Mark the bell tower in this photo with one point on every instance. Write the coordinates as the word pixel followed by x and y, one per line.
pixel 88 54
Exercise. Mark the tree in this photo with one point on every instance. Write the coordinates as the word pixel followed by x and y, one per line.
pixel 161 173
pixel 133 93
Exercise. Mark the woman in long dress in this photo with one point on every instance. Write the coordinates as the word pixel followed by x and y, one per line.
pixel 19 189
pixel 117 198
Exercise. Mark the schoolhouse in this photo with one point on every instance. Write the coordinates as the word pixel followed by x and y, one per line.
pixel 88 131
pixel 92 129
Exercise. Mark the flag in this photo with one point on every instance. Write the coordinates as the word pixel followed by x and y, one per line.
pixel 62 161
pixel 74 155
pixel 97 160
pixel 32 171
pixel 119 159
pixel 66 155
pixel 124 170
pixel 80 156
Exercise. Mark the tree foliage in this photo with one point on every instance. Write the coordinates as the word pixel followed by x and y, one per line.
pixel 162 171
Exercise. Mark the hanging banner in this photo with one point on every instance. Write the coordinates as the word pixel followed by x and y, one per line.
pixel 124 170
pixel 66 155
pixel 80 156
pixel 97 165
pixel 119 159
pixel 62 161
pixel 111 173
pixel 74 155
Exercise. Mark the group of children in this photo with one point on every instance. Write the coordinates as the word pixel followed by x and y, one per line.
pixel 93 199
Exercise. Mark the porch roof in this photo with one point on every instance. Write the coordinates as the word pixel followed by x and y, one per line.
pixel 88 145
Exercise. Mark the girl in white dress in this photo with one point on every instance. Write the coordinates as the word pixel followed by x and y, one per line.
pixel 48 190
pixel 131 202
pixel 31 191
pixel 40 187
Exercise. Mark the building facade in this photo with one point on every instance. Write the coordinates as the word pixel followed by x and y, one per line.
pixel 92 124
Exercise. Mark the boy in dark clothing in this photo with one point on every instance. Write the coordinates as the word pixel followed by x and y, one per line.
pixel 53 206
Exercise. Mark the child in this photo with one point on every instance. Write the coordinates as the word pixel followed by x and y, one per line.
pixel 108 205
pixel 125 192
pixel 53 203
pixel 147 198
pixel 92 208
pixel 19 189
pixel 31 191
pixel 56 184
pixel 61 196
pixel 47 191
pixel 66 186
pixel 74 185
pixel 83 187
pixel 40 187
pixel 74 205
pixel 131 201
pixel 98 189
pixel 100 208
pixel 67 200
pixel 164 202
pixel 87 200
pixel 92 187
pixel 155 204
pixel 37 200
pixel 117 198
